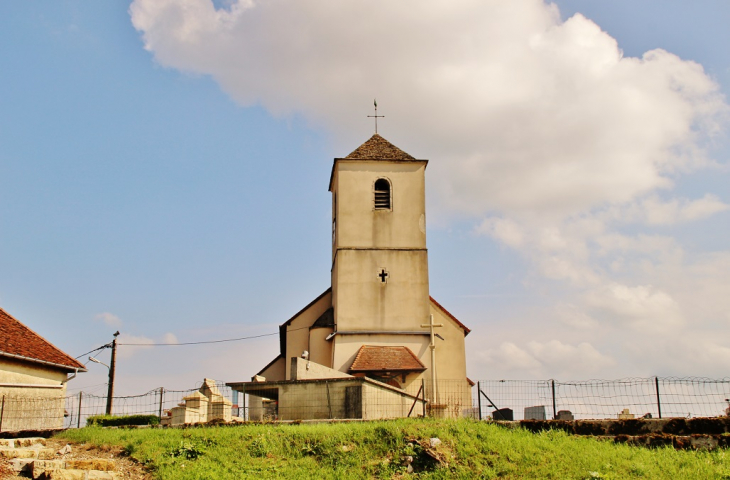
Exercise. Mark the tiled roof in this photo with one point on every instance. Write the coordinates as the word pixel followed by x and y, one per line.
pixel 372 358
pixel 17 340
pixel 378 148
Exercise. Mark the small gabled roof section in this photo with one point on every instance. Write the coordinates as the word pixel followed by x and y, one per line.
pixel 448 314
pixel 283 326
pixel 19 341
pixel 371 358
pixel 378 148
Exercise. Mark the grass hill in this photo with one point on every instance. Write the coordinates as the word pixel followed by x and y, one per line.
pixel 386 449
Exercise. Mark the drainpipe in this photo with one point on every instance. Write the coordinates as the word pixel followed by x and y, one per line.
pixel 76 372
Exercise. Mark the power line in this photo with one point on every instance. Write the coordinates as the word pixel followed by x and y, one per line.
pixel 196 343
pixel 108 345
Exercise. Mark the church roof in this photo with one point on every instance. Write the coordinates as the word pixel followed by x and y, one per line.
pixel 19 341
pixel 371 358
pixel 466 329
pixel 378 148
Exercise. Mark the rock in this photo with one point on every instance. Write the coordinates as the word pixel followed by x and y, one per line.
pixel 29 442
pixel 71 474
pixel 21 465
pixel 93 464
pixel 42 453
pixel 44 468
pixel 65 450
pixel 433 442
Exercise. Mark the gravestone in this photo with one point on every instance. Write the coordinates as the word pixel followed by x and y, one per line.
pixel 535 413
pixel 503 414
pixel 564 415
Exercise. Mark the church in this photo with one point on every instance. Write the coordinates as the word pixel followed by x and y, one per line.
pixel 375 336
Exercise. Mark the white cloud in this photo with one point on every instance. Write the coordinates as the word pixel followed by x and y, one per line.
pixel 561 356
pixel 544 359
pixel 574 317
pixel 505 230
pixel 169 338
pixel 642 307
pixel 130 345
pixel 540 131
pixel 109 319
pixel 655 211
pixel 520 110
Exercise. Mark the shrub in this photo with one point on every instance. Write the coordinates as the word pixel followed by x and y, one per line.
pixel 121 420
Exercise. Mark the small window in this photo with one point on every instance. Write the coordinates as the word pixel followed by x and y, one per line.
pixel 382 194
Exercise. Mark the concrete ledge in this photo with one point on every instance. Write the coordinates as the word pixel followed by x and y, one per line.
pixel 638 426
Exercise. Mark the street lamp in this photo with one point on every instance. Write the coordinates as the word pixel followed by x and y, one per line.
pixel 97 361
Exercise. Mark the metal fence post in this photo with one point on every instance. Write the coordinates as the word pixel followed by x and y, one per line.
pixel 555 410
pixel 479 398
pixel 162 396
pixel 658 400
pixel 2 411
pixel 329 404
pixel 78 421
pixel 423 386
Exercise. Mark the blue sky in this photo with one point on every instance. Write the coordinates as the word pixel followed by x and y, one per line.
pixel 164 172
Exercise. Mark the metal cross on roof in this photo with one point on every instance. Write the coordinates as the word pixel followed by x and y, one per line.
pixel 376 116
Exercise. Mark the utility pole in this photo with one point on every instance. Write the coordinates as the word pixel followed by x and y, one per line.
pixel 112 366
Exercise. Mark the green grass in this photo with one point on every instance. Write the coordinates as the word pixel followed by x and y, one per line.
pixel 469 449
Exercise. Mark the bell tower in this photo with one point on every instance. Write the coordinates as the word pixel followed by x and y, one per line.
pixel 379 255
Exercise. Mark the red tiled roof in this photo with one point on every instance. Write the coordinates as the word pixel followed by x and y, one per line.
pixel 463 327
pixel 17 340
pixel 378 148
pixel 372 358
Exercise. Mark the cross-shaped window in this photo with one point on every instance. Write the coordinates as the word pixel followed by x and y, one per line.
pixel 383 275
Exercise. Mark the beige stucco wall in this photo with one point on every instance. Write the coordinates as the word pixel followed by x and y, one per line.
pixel 307 370
pixel 298 333
pixel 275 371
pixel 324 400
pixel 381 403
pixel 359 224
pixel 450 353
pixel 321 349
pixel 27 407
pixel 364 302
pixel 15 371
pixel 368 240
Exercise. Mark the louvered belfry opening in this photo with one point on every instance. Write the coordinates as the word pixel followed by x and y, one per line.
pixel 382 194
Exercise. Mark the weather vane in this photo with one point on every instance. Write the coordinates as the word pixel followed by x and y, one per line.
pixel 376 116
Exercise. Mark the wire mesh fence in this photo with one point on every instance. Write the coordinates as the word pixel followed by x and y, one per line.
pixel 653 397
pixel 361 398
pixel 159 401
